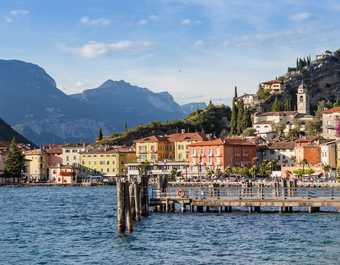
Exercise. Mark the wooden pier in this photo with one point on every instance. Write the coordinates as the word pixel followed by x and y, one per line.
pixel 135 198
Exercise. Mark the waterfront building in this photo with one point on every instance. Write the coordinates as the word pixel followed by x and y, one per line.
pixel 36 165
pixel 71 154
pixel 218 154
pixel 154 148
pixel 62 175
pixel 331 123
pixel 2 163
pixel 108 163
pixel 181 142
pixel 54 155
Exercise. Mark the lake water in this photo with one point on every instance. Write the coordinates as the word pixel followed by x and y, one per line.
pixel 76 225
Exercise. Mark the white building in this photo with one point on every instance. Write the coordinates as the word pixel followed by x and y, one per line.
pixel 71 154
pixel 265 130
pixel 328 154
pixel 330 123
pixel 282 152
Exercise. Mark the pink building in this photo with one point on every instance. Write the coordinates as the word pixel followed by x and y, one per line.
pixel 63 175
pixel 222 153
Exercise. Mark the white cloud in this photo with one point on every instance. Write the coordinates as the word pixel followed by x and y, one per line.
pixel 149 19
pixel 298 17
pixel 94 49
pixel 143 22
pixel 95 21
pixel 19 12
pixel 14 14
pixel 199 43
pixel 186 22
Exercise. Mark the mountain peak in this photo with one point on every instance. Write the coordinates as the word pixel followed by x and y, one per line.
pixel 111 83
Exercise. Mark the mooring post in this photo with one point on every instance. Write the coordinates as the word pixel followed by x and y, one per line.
pixel 127 207
pixel 120 206
pixel 136 187
pixel 132 200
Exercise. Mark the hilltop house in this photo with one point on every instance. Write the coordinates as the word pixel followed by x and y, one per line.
pixel 273 86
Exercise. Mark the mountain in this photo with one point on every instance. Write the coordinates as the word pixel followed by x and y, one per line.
pixel 7 134
pixel 119 102
pixel 33 105
pixel 192 107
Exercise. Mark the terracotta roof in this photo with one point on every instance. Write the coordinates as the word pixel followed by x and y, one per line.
pixel 332 110
pixel 278 113
pixel 122 149
pixel 33 152
pixel 66 174
pixel 153 138
pixel 270 82
pixel 209 142
pixel 282 145
pixel 226 141
pixel 179 137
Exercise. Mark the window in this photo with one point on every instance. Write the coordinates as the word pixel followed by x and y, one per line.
pixel 301 98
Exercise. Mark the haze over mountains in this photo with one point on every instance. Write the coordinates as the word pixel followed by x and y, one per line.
pixel 31 102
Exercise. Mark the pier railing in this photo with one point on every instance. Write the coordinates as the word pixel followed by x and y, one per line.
pixel 239 193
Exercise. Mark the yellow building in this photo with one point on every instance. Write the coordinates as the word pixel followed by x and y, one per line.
pixel 36 165
pixel 154 148
pixel 108 163
pixel 182 141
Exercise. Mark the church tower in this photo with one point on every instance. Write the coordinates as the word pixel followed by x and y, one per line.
pixel 302 99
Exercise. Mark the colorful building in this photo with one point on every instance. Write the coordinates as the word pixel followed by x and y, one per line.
pixel 222 153
pixel 154 148
pixel 109 163
pixel 273 86
pixel 181 143
pixel 36 165
pixel 62 175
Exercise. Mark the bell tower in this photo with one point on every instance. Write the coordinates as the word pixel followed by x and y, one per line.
pixel 302 99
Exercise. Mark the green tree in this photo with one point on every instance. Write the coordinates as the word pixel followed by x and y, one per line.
pixel 246 120
pixel 263 94
pixel 126 126
pixel 233 121
pixel 249 132
pixel 100 135
pixel 14 162
pixel 287 105
pixel 276 105
pixel 240 112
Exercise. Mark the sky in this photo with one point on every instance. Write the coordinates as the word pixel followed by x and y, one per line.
pixel 197 50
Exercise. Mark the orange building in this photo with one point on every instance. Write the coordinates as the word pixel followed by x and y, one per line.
pixel 222 153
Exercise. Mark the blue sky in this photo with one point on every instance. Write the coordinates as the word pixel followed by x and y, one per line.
pixel 195 49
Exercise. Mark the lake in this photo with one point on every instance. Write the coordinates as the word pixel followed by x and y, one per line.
pixel 77 225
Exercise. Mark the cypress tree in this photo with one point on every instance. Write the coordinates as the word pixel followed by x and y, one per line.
pixel 287 105
pixel 276 105
pixel 240 112
pixel 246 121
pixel 14 163
pixel 233 120
pixel 100 135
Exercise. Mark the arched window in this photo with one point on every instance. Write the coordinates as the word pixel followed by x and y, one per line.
pixel 301 98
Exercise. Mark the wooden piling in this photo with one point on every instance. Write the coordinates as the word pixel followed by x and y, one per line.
pixel 121 225
pixel 132 200
pixel 138 210
pixel 129 224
